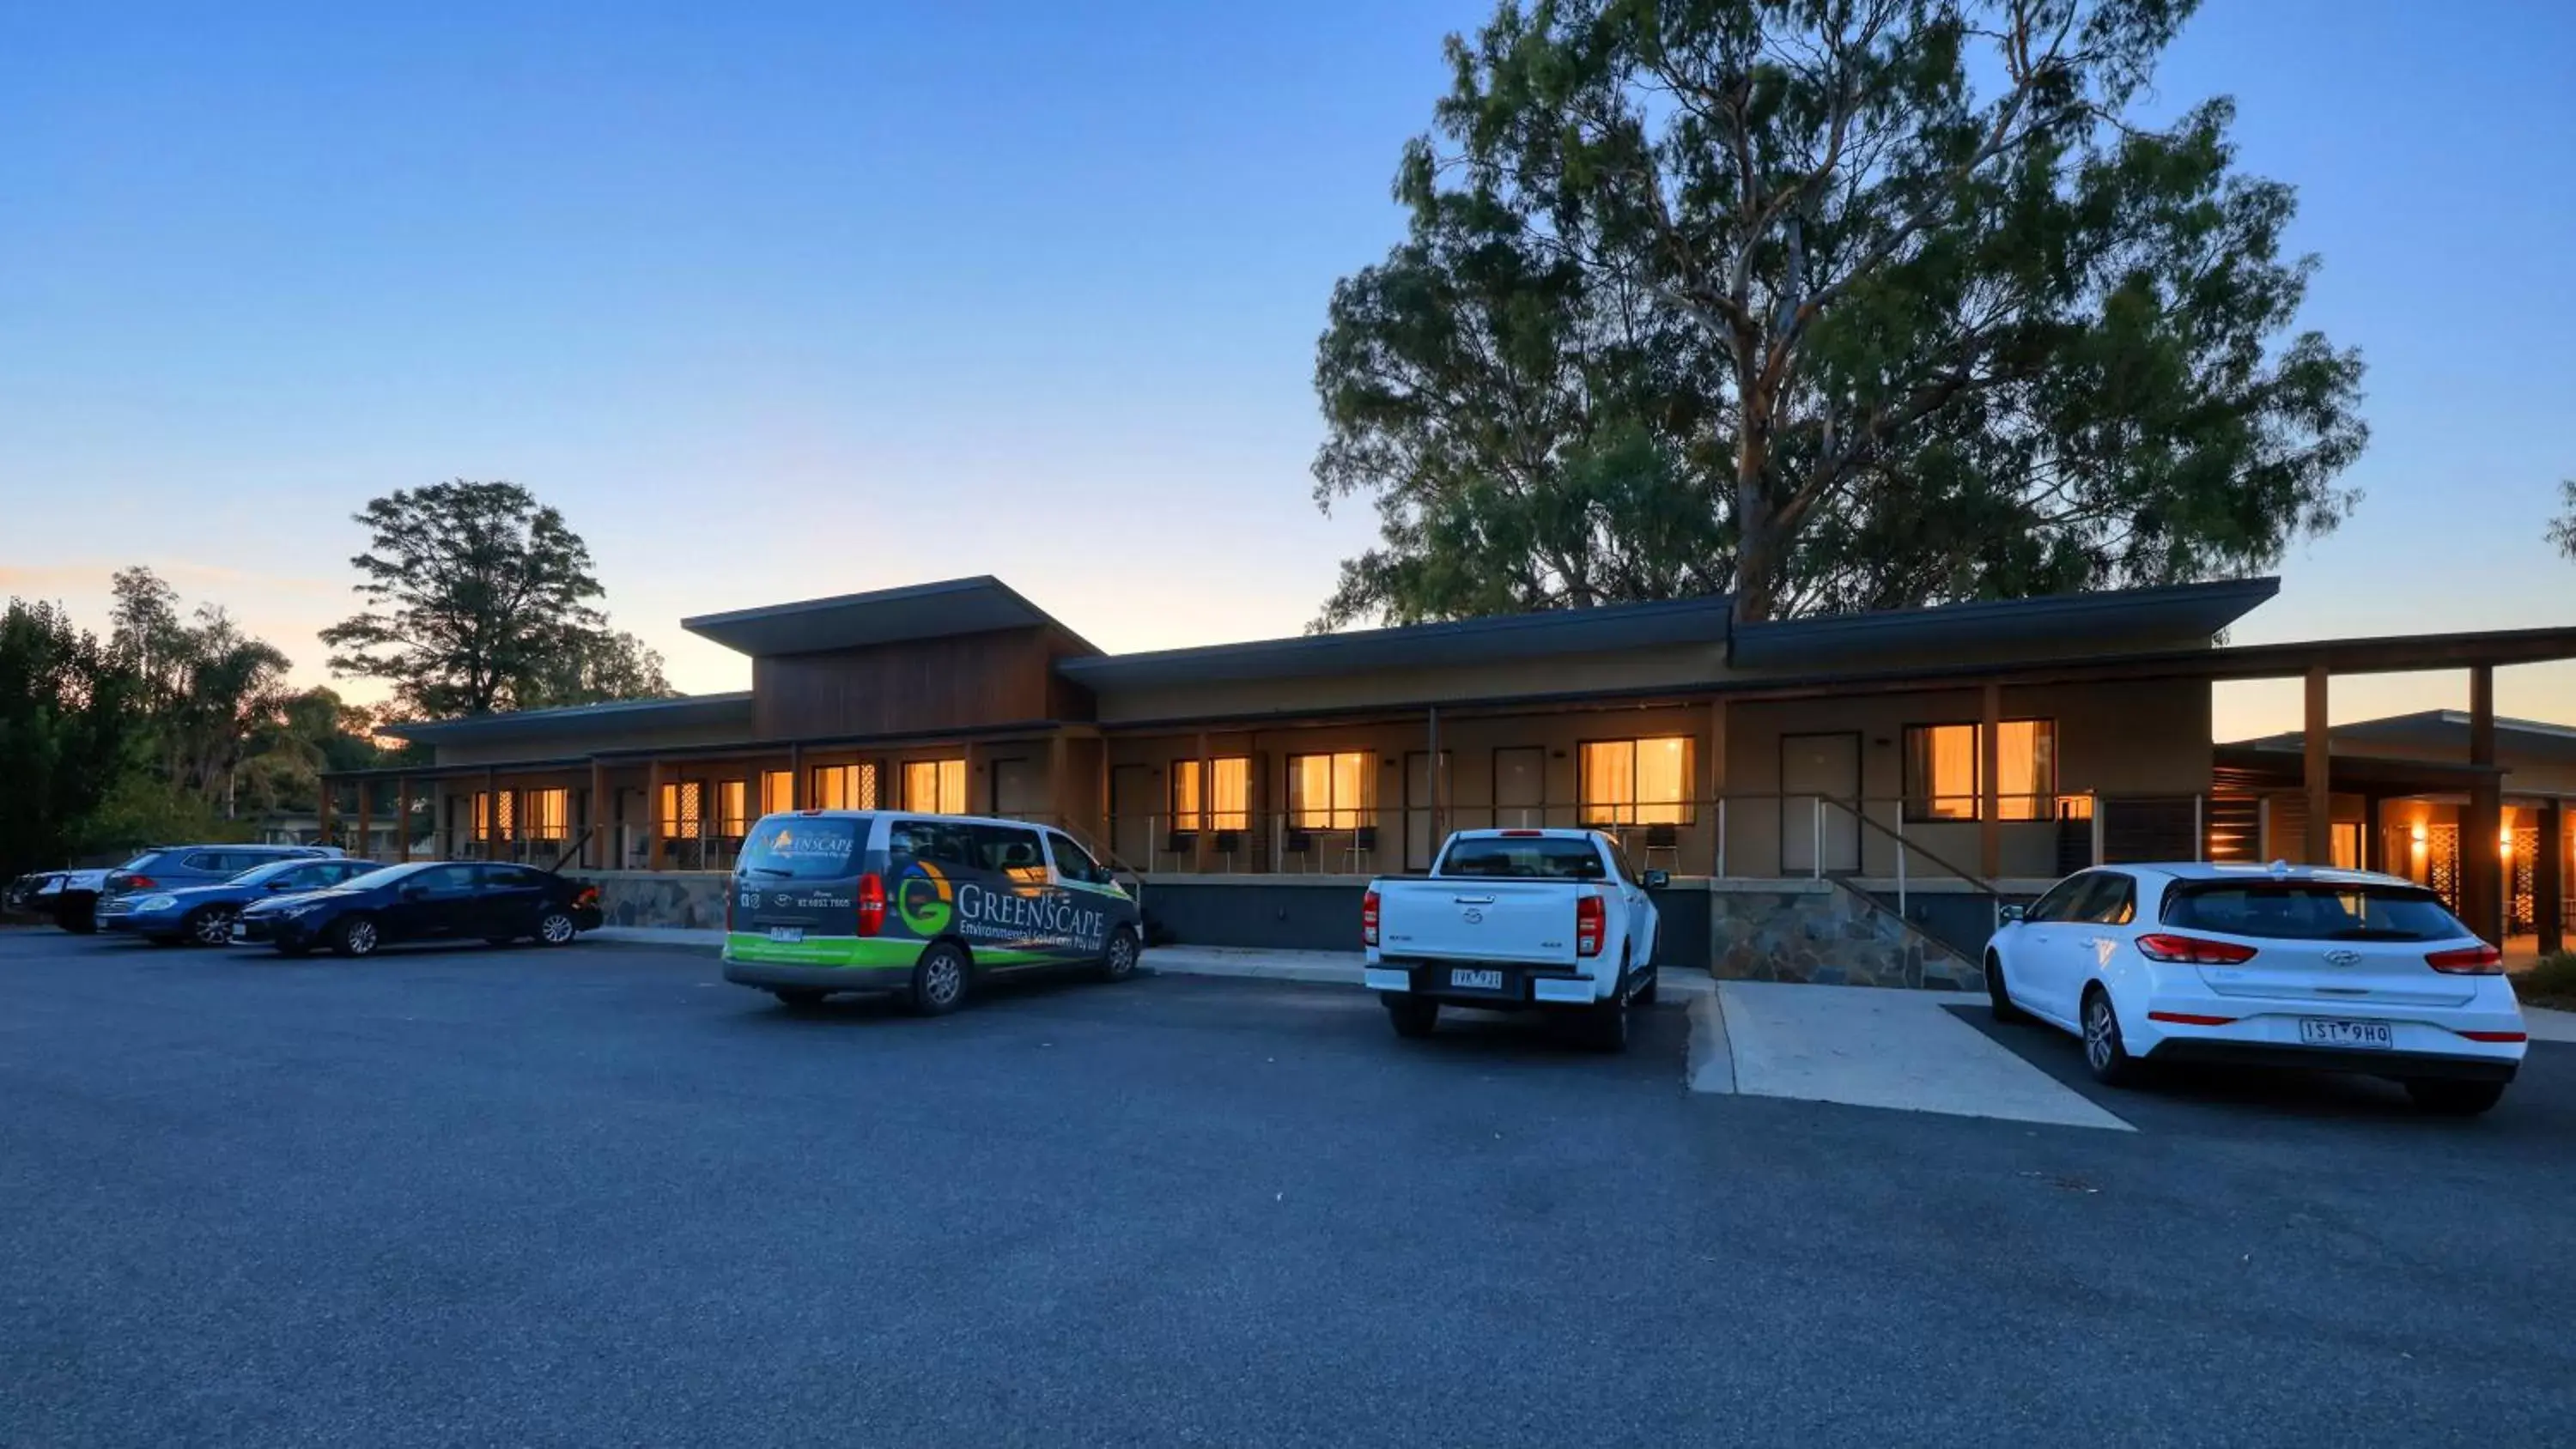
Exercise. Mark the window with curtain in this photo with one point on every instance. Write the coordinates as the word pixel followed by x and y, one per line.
pixel 844 787
pixel 1942 764
pixel 1328 792
pixel 777 791
pixel 1228 783
pixel 733 807
pixel 937 786
pixel 1636 782
pixel 681 815
pixel 482 815
pixel 546 814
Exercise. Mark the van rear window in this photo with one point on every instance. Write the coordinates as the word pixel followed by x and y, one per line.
pixel 1535 858
pixel 798 847
pixel 2312 911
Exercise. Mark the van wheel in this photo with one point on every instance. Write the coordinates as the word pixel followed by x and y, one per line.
pixel 1413 1017
pixel 939 980
pixel 1119 961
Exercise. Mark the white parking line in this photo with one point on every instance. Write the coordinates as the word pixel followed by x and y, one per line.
pixel 1870 1047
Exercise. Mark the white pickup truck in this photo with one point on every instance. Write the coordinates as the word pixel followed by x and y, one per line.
pixel 1515 920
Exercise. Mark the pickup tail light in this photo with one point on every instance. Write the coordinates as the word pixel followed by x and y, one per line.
pixel 871 904
pixel 1591 922
pixel 1368 918
pixel 2192 950
pixel 2477 960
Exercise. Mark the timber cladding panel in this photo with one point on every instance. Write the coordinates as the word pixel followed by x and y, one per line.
pixel 960 682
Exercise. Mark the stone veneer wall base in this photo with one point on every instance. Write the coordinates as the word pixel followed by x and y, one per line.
pixel 1827 934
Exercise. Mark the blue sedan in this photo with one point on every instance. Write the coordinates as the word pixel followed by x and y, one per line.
pixel 203 915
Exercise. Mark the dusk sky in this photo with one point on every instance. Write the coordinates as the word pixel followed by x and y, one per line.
pixel 787 300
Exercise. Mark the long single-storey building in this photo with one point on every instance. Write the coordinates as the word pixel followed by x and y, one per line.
pixel 1837 798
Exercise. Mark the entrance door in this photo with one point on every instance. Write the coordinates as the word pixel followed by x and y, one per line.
pixel 1520 787
pixel 1016 790
pixel 1813 766
pixel 1419 841
pixel 1131 815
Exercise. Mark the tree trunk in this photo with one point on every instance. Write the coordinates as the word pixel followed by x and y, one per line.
pixel 1757 535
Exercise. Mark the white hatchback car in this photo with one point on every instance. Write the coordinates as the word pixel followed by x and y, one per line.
pixel 2333 970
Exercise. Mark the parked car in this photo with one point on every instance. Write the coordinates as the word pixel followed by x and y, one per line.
pixel 203 915
pixel 21 893
pixel 429 901
pixel 170 867
pixel 923 907
pixel 1547 920
pixel 71 898
pixel 2293 966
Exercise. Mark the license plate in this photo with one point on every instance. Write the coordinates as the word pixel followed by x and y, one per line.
pixel 1476 980
pixel 240 931
pixel 2374 1035
pixel 787 935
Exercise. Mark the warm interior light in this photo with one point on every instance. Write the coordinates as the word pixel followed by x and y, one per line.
pixel 2421 835
pixel 2504 843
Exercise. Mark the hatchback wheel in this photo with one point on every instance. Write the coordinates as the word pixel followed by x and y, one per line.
pixel 212 926
pixel 2104 1052
pixel 2005 1011
pixel 2454 1099
pixel 354 936
pixel 555 928
pixel 939 981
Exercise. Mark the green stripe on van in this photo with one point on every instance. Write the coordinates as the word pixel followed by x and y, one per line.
pixel 857 953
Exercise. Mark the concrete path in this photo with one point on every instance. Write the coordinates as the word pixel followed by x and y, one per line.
pixel 1869 1047
pixel 2548 1025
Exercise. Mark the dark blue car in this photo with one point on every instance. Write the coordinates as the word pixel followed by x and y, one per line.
pixel 432 901
pixel 202 915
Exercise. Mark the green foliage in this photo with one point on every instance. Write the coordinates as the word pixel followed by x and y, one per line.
pixel 2550 982
pixel 68 722
pixel 479 600
pixel 1832 305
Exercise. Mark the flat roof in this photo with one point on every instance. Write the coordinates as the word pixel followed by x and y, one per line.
pixel 679 710
pixel 882 616
pixel 2048 625
pixel 2435 729
pixel 1408 646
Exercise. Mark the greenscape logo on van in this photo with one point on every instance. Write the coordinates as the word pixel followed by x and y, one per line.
pixel 923 897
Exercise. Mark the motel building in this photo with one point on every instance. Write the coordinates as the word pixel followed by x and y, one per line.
pixel 1841 799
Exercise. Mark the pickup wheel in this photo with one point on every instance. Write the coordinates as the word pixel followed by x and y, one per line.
pixel 1412 1017
pixel 1606 1026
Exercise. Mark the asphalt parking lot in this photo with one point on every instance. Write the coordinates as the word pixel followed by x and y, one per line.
pixel 597 1196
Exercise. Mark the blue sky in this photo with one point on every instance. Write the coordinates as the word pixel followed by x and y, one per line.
pixel 795 299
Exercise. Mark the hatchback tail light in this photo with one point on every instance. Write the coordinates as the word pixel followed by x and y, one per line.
pixel 1591 920
pixel 2192 950
pixel 871 904
pixel 1368 918
pixel 138 883
pixel 2478 960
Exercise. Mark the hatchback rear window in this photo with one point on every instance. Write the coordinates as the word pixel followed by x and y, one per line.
pixel 1537 858
pixel 799 847
pixel 2312 911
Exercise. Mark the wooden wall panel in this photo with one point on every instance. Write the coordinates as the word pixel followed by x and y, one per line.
pixel 963 682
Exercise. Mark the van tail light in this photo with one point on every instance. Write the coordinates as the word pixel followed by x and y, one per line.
pixel 1368 918
pixel 1591 920
pixel 2477 960
pixel 2192 950
pixel 871 904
